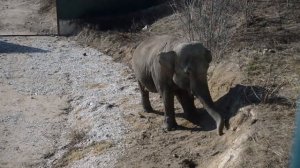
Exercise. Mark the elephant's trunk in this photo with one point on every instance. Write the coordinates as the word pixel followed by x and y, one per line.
pixel 201 91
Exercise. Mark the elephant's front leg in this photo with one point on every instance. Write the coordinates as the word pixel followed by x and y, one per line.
pixel 168 99
pixel 187 102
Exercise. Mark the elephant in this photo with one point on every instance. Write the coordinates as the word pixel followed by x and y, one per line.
pixel 171 67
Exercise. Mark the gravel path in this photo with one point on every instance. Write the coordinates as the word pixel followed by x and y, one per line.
pixel 60 104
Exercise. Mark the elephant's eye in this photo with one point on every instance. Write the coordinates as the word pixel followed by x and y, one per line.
pixel 187 70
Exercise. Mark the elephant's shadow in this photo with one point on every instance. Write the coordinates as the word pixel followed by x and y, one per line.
pixel 237 97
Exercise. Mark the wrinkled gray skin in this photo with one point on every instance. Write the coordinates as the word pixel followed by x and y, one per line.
pixel 171 68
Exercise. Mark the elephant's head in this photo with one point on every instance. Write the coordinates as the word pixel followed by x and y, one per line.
pixel 189 63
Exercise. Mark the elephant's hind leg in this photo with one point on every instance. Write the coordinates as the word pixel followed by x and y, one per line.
pixel 145 99
pixel 187 102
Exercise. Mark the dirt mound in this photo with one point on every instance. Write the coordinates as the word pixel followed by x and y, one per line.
pixel 119 45
pixel 255 83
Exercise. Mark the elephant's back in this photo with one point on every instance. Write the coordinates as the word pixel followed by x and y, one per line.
pixel 149 49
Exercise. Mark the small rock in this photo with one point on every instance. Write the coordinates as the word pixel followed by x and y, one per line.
pixel 253 113
pixel 145 28
pixel 17 148
pixel 84 54
pixel 188 163
pixel 271 51
pixel 48 155
pixel 144 135
pixel 253 121
pixel 215 153
pixel 203 136
pixel 175 156
pixel 107 50
pixel 141 115
pixel 109 106
pixel 122 88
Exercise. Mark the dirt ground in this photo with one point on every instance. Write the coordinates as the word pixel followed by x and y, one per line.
pixel 59 100
pixel 256 82
pixel 24 17
pixel 64 103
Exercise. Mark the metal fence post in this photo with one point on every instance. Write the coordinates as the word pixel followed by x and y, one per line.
pixel 295 162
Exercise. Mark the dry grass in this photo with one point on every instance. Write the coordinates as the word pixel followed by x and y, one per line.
pixel 46 6
pixel 273 71
pixel 76 136
pixel 270 145
pixel 119 45
pixel 78 153
pixel 211 22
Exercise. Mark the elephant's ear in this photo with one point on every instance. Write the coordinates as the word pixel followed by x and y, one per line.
pixel 208 56
pixel 167 59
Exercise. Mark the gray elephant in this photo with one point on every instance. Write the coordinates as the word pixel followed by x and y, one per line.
pixel 165 65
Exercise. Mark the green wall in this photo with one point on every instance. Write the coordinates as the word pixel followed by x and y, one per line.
pixel 75 9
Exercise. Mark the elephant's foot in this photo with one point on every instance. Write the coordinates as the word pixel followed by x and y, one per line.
pixel 148 109
pixel 170 124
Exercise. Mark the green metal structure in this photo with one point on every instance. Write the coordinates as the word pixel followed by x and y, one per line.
pixel 105 13
pixel 76 9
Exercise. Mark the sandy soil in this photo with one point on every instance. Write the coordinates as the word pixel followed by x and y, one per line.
pixel 22 17
pixel 58 97
pixel 30 126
